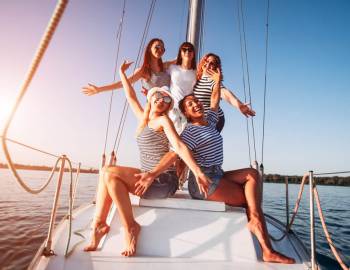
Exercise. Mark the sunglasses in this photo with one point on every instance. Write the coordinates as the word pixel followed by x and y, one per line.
pixel 188 49
pixel 212 64
pixel 159 47
pixel 160 95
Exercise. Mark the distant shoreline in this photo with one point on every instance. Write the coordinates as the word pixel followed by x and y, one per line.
pixel 45 168
pixel 269 178
pixel 296 179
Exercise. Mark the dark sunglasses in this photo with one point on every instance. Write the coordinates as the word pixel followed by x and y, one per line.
pixel 213 64
pixel 160 95
pixel 159 47
pixel 188 49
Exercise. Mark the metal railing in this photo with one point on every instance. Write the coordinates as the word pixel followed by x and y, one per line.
pixel 313 196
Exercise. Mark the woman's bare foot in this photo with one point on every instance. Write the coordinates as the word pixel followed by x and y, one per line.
pixel 269 255
pixel 276 257
pixel 97 233
pixel 131 237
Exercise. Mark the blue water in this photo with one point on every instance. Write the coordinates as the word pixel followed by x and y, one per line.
pixel 24 217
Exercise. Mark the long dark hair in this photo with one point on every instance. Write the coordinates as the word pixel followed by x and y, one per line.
pixel 202 62
pixel 146 66
pixel 179 58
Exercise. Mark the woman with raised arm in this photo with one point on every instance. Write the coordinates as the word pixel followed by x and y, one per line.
pixel 204 87
pixel 154 134
pixel 236 187
pixel 152 73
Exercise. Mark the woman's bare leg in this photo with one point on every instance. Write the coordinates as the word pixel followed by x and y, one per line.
pixel 119 182
pixel 249 182
pixel 103 204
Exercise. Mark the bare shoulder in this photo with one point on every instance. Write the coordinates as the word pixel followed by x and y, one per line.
pixel 164 120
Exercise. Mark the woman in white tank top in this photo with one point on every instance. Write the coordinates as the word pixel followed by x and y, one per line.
pixel 182 79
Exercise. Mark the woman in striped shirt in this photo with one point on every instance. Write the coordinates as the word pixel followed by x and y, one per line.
pixel 204 87
pixel 154 134
pixel 236 187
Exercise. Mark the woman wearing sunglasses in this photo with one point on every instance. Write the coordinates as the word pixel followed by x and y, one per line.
pixel 152 73
pixel 203 88
pixel 154 133
pixel 236 187
pixel 182 79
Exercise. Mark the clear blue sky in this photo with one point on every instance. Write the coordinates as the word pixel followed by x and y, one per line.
pixel 308 96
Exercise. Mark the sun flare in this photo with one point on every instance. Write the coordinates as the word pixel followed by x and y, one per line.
pixel 5 109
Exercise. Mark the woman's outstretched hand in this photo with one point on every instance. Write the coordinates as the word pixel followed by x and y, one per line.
pixel 90 89
pixel 125 66
pixel 203 182
pixel 246 110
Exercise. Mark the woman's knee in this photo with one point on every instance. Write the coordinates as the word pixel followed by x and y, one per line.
pixel 253 175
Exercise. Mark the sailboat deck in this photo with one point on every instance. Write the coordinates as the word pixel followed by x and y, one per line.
pixel 176 233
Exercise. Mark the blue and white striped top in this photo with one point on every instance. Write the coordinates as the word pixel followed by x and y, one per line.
pixel 205 142
pixel 153 145
pixel 202 91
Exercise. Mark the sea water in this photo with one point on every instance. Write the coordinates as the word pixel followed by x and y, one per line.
pixel 24 218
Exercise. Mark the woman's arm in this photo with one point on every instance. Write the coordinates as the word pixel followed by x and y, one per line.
pixel 216 93
pixel 182 150
pixel 229 97
pixel 91 89
pixel 168 63
pixel 130 91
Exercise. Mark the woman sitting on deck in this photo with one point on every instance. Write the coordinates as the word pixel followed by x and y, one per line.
pixel 236 188
pixel 153 136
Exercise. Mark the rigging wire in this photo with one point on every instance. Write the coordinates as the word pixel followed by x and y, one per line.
pixel 243 78
pixel 265 80
pixel 248 77
pixel 126 106
pixel 118 38
pixel 201 31
pixel 181 23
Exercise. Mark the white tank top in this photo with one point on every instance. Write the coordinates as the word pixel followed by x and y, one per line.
pixel 181 82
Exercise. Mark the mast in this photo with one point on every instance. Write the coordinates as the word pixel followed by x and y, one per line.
pixel 194 23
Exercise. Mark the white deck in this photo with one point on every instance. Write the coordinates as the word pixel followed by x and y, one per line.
pixel 176 233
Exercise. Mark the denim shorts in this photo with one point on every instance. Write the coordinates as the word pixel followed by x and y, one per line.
pixel 215 173
pixel 164 186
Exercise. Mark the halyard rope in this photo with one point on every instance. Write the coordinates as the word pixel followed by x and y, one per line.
pixel 45 41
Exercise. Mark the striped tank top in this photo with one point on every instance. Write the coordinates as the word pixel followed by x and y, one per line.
pixel 153 145
pixel 202 91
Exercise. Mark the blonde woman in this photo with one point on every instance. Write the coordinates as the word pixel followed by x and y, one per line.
pixel 154 134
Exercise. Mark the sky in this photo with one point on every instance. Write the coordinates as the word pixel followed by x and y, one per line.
pixel 308 78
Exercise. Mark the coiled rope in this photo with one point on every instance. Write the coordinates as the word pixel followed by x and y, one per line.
pixel 45 41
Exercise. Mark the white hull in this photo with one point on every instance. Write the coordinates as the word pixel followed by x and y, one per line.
pixel 177 233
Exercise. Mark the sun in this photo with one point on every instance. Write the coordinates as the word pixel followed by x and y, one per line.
pixel 5 109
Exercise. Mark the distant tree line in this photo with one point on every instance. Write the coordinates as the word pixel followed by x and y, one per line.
pixel 269 178
pixel 295 179
pixel 45 168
